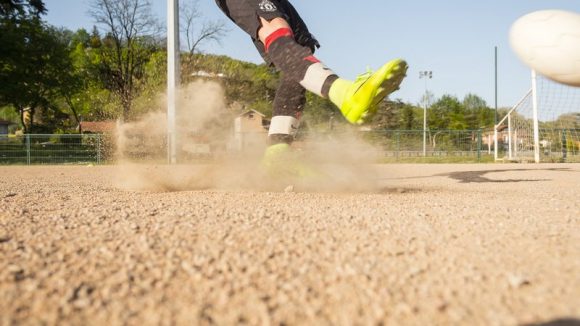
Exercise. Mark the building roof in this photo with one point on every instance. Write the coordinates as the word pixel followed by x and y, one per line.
pixel 502 127
pixel 98 126
pixel 247 112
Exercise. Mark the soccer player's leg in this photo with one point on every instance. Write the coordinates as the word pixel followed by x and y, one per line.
pixel 283 39
pixel 293 59
pixel 356 100
pixel 279 160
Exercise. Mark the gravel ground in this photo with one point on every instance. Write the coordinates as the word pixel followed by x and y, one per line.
pixel 438 244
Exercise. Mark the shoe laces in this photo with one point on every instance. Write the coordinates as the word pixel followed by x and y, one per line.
pixel 365 75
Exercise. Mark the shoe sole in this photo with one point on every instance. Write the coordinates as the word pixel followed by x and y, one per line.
pixel 396 71
pixel 388 79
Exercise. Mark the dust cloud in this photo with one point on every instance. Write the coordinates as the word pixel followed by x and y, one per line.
pixel 323 163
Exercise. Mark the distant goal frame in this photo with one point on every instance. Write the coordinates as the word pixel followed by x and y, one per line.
pixel 507 128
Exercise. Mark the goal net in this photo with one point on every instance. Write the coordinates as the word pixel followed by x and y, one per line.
pixel 543 127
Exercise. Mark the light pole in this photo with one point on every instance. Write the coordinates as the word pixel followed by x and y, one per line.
pixel 173 77
pixel 426 75
pixel 495 113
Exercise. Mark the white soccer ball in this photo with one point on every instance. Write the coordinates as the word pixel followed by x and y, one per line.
pixel 549 42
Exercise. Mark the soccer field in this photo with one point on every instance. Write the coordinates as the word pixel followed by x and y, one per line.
pixel 433 244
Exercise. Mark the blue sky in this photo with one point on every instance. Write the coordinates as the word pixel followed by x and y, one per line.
pixel 453 38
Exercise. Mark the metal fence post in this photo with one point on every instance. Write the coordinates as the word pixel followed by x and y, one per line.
pixel 28 149
pixel 479 145
pixel 98 149
pixel 398 143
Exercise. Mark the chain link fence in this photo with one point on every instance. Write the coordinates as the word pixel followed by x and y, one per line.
pixel 430 146
pixel 556 145
pixel 54 149
pixel 395 145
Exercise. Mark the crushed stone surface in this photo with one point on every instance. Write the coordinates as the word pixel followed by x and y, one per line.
pixel 438 244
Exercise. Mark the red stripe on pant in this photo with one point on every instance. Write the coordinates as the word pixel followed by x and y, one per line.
pixel 312 59
pixel 279 33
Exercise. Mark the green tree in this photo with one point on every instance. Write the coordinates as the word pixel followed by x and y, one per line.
pixel 127 46
pixel 394 115
pixel 447 113
pixel 34 62
pixel 82 75
pixel 92 100
pixel 478 114
pixel 19 9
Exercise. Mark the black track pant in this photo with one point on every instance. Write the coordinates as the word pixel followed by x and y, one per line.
pixel 291 52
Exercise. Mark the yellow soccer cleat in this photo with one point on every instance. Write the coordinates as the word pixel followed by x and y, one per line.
pixel 275 157
pixel 358 100
pixel 280 161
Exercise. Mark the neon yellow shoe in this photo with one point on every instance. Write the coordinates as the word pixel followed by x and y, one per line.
pixel 280 161
pixel 358 100
pixel 275 157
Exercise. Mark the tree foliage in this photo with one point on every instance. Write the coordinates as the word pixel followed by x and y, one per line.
pixel 127 46
pixel 35 63
pixel 19 9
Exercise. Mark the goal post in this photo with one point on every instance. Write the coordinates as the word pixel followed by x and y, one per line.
pixel 544 126
pixel 173 77
pixel 535 116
